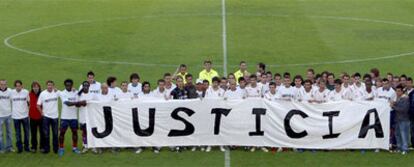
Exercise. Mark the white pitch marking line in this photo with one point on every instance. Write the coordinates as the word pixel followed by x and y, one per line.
pixel 39 54
pixel 33 53
pixel 227 161
pixel 224 35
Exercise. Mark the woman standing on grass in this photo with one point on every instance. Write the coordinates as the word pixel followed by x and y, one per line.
pixel 35 118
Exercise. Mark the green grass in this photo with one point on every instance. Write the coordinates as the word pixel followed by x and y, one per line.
pixel 189 31
pixel 215 158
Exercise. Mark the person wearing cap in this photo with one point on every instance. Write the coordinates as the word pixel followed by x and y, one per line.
pixel 200 88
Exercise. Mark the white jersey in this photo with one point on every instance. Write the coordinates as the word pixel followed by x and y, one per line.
pixel 375 88
pixel 254 91
pixel 124 95
pixel 200 93
pixel 235 94
pixel 361 87
pixel 243 89
pixel 297 91
pixel 304 95
pixel 169 90
pixel 337 96
pixel 114 91
pixel 334 95
pixel 211 93
pixel 135 90
pixel 104 98
pixel 358 94
pixel 315 87
pixel 348 93
pixel 157 94
pixel 272 97
pixel 286 93
pixel 265 87
pixel 5 103
pixel 357 91
pixel 82 110
pixel 278 87
pixel 94 88
pixel 321 96
pixel 49 102
pixel 370 95
pixel 388 95
pixel 68 112
pixel 20 103
pixel 146 96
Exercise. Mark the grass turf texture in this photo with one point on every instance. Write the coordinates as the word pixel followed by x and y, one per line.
pixel 189 31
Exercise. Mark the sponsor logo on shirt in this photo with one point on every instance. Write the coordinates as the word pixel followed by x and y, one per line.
pixel 93 91
pixel 4 97
pixel 384 97
pixel 287 95
pixel 51 100
pixel 20 99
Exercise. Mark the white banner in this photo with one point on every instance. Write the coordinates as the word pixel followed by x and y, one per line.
pixel 250 122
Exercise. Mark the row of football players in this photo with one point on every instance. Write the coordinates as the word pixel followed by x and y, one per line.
pixel 319 91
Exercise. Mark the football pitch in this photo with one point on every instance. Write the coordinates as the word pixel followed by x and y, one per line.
pixel 58 39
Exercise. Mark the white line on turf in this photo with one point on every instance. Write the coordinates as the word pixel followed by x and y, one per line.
pixel 227 161
pixel 45 55
pixel 224 35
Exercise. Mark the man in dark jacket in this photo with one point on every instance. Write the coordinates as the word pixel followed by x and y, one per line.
pixel 410 93
pixel 402 107
pixel 190 87
pixel 179 92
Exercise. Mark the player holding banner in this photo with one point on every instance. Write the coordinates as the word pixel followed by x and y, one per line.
pixel 234 92
pixel 214 91
pixel 253 90
pixel 84 96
